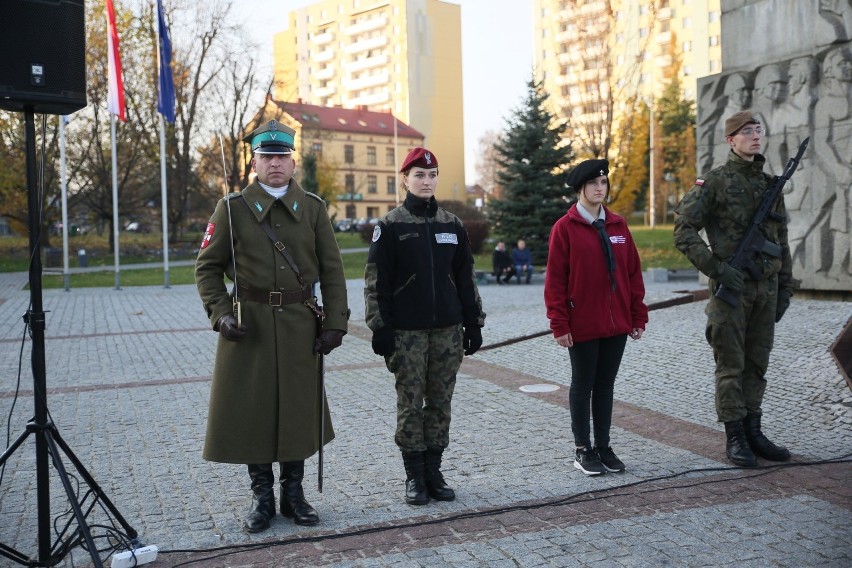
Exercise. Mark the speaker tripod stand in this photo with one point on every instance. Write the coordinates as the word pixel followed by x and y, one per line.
pixel 48 442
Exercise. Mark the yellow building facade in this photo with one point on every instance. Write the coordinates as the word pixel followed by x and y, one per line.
pixel 589 52
pixel 399 56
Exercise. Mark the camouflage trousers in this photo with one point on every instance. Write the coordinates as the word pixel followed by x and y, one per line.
pixel 742 338
pixel 425 364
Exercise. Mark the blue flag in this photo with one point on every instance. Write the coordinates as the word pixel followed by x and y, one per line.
pixel 166 94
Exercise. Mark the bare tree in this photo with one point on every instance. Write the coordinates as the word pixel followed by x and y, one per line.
pixel 486 165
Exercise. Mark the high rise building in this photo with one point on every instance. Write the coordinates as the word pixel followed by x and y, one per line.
pixel 402 56
pixel 593 55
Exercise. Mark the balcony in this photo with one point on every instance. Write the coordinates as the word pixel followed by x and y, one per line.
pixel 366 82
pixel 371 99
pixel 326 73
pixel 367 25
pixel 367 63
pixel 323 56
pixel 324 91
pixel 323 38
pixel 366 44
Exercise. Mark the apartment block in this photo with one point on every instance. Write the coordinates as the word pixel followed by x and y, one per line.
pixel 399 56
pixel 594 54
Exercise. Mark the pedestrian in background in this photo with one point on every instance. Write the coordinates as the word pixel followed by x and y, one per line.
pixel 265 396
pixel 522 260
pixel 723 202
pixel 501 264
pixel 593 293
pixel 424 309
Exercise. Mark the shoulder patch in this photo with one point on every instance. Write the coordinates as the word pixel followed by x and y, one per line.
pixel 208 234
pixel 377 233
pixel 699 181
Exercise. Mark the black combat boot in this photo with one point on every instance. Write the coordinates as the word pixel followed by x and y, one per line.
pixel 293 503
pixel 737 447
pixel 415 478
pixel 759 443
pixel 435 484
pixel 263 497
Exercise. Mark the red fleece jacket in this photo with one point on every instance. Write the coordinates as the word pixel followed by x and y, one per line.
pixel 577 289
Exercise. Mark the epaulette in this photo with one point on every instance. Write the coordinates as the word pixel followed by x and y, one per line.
pixel 315 196
pixel 234 195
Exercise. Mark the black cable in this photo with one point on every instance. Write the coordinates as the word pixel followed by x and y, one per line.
pixel 568 499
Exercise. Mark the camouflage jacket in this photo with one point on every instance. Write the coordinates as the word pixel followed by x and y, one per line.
pixel 723 203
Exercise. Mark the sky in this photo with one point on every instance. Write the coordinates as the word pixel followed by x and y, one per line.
pixel 497 50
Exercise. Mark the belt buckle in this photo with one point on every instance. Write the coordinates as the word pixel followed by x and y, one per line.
pixel 275 297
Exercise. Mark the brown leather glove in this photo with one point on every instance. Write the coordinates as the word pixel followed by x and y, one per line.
pixel 328 340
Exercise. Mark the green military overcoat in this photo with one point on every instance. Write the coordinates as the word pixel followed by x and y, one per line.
pixel 264 395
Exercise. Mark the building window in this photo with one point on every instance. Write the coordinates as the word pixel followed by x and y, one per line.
pixel 664 25
pixel 390 157
pixel 643 32
pixel 372 184
pixel 714 40
pixel 372 212
pixel 316 148
pixel 391 185
pixel 687 46
pixel 686 22
pixel 350 183
pixel 371 155
pixel 349 154
pixel 714 66
pixel 713 16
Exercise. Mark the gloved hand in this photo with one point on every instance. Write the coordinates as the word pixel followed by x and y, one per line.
pixel 328 340
pixel 229 329
pixel 730 278
pixel 384 342
pixel 472 339
pixel 784 295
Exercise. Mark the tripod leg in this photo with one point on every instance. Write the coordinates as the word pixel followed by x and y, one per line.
pixel 93 485
pixel 72 497
pixel 11 449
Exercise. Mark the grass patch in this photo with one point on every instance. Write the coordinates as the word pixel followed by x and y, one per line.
pixel 656 250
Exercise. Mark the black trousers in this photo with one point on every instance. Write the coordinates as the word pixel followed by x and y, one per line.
pixel 594 365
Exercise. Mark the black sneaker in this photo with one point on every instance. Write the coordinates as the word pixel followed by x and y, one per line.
pixel 609 460
pixel 589 462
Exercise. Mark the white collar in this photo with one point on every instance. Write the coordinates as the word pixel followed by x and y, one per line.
pixel 584 213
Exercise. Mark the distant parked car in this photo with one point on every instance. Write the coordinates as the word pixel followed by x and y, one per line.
pixel 343 225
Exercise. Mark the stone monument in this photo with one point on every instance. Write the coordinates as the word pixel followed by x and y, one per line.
pixel 790 61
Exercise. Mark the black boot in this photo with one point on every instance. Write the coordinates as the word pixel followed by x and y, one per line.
pixel 263 497
pixel 435 484
pixel 293 503
pixel 737 447
pixel 415 478
pixel 759 443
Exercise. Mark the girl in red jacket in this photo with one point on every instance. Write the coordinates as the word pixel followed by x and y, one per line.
pixel 593 291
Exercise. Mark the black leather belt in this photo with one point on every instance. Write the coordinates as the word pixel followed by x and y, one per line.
pixel 274 299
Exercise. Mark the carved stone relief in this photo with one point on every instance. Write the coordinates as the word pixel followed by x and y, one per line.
pixel 805 96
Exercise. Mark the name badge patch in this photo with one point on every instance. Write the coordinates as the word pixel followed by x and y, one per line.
pixel 617 239
pixel 446 238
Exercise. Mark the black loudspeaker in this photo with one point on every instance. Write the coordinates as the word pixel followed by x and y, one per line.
pixel 43 55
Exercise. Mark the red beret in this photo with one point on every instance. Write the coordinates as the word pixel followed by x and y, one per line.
pixel 419 158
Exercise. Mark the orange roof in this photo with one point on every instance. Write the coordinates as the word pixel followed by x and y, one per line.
pixel 339 119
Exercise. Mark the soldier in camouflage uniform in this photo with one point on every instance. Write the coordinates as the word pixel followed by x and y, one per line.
pixel 723 202
pixel 424 309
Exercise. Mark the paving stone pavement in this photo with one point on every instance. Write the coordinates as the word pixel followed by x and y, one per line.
pixel 128 375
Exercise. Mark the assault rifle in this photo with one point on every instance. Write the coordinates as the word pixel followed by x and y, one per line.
pixel 747 257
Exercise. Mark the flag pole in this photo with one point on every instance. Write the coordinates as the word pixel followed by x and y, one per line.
pixel 165 202
pixel 63 175
pixel 114 199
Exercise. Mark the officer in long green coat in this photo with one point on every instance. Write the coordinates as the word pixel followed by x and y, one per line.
pixel 723 202
pixel 265 395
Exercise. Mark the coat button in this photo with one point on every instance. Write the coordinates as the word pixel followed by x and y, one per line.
pixel 281 267
pixel 277 225
pixel 280 310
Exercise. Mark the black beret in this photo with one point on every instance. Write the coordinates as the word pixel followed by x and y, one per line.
pixel 586 171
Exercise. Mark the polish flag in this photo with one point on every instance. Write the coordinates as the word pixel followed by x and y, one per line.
pixel 115 95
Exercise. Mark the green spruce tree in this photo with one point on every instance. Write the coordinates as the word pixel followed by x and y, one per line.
pixel 531 162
